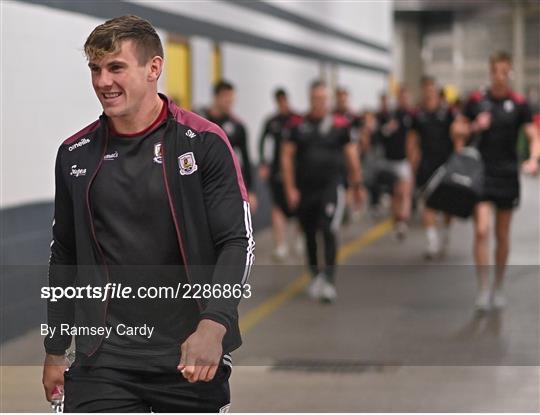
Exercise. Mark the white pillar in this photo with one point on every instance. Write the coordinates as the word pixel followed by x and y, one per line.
pixel 518 46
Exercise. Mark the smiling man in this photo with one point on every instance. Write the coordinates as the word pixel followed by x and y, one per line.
pixel 157 200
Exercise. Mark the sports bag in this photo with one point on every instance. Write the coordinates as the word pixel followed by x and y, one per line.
pixel 457 185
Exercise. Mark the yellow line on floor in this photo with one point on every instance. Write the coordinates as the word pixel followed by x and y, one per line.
pixel 259 313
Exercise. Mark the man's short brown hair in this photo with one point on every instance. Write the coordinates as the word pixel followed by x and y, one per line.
pixel 427 79
pixel 107 37
pixel 500 56
pixel 317 83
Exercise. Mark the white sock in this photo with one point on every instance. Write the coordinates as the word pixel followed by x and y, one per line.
pixel 431 235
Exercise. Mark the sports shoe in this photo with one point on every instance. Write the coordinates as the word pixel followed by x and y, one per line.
pixel 498 300
pixel 432 250
pixel 328 292
pixel 315 287
pixel 280 253
pixel 433 247
pixel 483 300
pixel 356 215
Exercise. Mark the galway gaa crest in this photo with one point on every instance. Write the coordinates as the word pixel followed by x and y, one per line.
pixel 187 164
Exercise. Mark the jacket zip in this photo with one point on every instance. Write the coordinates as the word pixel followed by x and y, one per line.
pixel 173 213
pixel 93 232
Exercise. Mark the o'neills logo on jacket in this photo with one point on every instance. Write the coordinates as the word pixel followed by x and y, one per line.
pixel 111 156
pixel 79 144
pixel 77 172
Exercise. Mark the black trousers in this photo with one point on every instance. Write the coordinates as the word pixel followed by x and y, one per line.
pixel 321 211
pixel 107 389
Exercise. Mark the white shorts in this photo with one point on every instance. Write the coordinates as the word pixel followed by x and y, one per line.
pixel 401 168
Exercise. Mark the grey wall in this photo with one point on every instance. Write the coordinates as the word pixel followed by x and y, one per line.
pixel 455 44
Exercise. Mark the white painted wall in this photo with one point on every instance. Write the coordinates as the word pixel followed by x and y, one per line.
pixel 47 96
pixel 201 61
pixel 370 19
pixel 245 20
pixel 364 88
pixel 256 74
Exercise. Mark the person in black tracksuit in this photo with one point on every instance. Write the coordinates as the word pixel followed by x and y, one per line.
pixel 342 109
pixel 269 169
pixel 496 117
pixel 149 195
pixel 429 146
pixel 220 112
pixel 313 156
pixel 393 127
pixel 372 154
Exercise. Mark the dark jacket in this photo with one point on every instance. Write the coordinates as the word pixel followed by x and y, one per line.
pixel 208 202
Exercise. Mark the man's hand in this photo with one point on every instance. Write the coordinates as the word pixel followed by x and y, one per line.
pixel 482 121
pixel 264 172
pixel 530 166
pixel 201 352
pixel 54 367
pixel 293 198
pixel 370 122
pixel 390 127
pixel 253 202
pixel 533 134
pixel 459 131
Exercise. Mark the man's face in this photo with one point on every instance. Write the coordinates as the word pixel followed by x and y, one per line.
pixel 225 101
pixel 403 98
pixel 342 101
pixel 429 91
pixel 120 82
pixel 319 100
pixel 282 103
pixel 500 73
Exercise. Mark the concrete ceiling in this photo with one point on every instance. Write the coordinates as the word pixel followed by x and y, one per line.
pixel 443 5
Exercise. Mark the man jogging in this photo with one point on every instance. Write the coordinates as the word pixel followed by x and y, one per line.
pixel 496 116
pixel 312 160
pixel 147 196
pixel 342 108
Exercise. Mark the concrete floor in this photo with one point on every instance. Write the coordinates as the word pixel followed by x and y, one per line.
pixel 402 336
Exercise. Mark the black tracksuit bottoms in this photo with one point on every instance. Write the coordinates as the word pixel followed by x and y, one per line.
pixel 322 210
pixel 115 389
